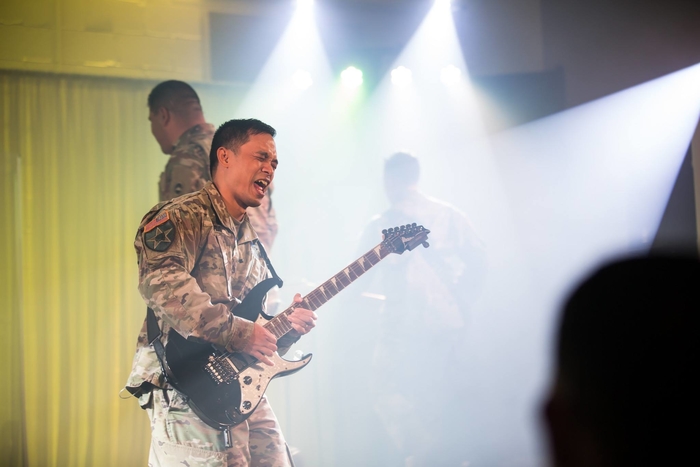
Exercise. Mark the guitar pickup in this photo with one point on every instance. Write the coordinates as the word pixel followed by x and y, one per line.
pixel 221 370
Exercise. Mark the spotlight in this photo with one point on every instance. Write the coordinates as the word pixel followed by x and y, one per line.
pixel 401 76
pixel 351 77
pixel 450 75
pixel 302 79
pixel 443 3
pixel 305 4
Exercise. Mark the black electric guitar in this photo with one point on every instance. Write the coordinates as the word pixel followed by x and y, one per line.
pixel 224 388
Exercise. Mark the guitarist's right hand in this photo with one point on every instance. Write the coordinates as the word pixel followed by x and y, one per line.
pixel 262 344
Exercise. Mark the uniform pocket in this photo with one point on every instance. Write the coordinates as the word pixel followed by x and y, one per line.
pixel 185 428
pixel 165 454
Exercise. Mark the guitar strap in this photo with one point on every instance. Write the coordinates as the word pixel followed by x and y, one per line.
pixel 263 253
pixel 153 331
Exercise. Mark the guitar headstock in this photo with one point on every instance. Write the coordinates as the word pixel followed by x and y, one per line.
pixel 405 237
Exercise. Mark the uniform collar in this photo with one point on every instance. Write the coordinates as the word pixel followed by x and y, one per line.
pixel 205 130
pixel 246 232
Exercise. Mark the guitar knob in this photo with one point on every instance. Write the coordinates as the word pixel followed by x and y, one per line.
pixel 247 405
pixel 247 380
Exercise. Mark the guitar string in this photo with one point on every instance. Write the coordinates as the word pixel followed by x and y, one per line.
pixel 351 267
pixel 313 294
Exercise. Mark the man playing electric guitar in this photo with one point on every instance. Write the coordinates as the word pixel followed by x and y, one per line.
pixel 198 258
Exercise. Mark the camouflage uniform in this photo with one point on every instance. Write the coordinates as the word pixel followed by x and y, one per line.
pixel 188 170
pixel 196 263
pixel 188 167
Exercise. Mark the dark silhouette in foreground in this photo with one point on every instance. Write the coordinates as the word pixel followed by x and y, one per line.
pixel 623 392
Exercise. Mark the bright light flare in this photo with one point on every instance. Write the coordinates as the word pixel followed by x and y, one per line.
pixel 443 4
pixel 351 77
pixel 305 5
pixel 302 80
pixel 451 75
pixel 401 76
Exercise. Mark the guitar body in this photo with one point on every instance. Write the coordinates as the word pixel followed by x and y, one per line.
pixel 224 388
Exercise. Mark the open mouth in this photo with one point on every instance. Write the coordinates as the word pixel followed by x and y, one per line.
pixel 261 186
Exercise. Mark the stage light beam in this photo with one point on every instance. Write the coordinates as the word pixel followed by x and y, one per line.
pixel 297 70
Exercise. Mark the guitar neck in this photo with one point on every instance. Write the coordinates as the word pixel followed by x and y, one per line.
pixel 280 325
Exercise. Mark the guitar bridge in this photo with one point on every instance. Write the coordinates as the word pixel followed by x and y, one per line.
pixel 221 370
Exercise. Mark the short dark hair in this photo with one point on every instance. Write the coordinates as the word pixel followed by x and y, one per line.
pixel 402 167
pixel 627 353
pixel 174 95
pixel 235 133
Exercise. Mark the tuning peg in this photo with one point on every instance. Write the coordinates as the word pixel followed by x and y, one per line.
pixel 413 225
pixel 384 232
pixel 426 244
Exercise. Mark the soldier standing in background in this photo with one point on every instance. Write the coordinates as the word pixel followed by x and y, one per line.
pixel 179 127
pixel 417 374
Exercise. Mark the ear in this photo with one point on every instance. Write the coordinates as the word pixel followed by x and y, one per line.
pixel 224 157
pixel 164 116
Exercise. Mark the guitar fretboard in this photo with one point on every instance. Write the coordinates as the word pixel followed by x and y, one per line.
pixel 280 325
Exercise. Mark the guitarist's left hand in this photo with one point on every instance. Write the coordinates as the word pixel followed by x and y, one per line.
pixel 301 319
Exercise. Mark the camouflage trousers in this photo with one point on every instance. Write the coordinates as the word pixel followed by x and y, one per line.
pixel 179 437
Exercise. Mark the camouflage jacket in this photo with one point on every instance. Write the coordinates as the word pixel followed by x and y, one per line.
pixel 196 263
pixel 188 167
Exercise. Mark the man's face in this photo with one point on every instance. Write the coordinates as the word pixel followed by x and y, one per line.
pixel 159 132
pixel 396 190
pixel 251 170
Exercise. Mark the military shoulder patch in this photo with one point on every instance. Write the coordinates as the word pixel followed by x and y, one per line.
pixel 161 218
pixel 160 235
